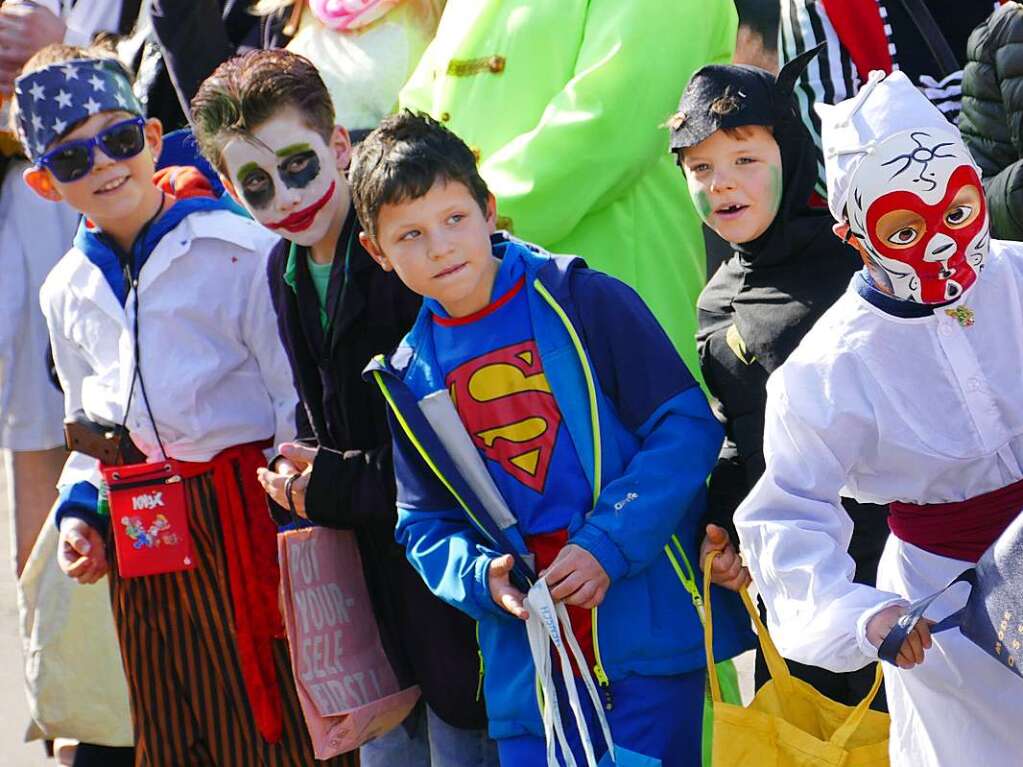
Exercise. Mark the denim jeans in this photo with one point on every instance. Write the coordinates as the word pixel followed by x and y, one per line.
pixel 436 744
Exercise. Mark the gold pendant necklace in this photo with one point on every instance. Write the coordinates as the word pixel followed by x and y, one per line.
pixel 962 314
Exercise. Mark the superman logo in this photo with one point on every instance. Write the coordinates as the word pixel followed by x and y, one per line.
pixel 506 404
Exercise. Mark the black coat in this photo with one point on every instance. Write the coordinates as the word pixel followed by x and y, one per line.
pixel 196 36
pixel 754 312
pixel 992 117
pixel 741 344
pixel 352 485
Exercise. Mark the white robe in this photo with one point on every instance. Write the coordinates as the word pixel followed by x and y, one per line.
pixel 883 408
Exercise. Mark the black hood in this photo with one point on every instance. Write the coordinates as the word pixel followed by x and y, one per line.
pixel 732 96
pixel 776 286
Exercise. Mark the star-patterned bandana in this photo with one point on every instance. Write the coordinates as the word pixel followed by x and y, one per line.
pixel 53 99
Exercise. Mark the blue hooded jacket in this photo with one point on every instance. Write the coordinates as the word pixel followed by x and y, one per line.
pixel 646 439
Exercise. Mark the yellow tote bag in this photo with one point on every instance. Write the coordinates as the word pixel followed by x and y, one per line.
pixel 789 723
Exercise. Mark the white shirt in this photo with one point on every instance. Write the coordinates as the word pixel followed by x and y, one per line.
pixel 882 408
pixel 84 18
pixel 211 358
pixel 364 70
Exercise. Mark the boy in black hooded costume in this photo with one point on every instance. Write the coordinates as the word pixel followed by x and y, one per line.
pixel 751 166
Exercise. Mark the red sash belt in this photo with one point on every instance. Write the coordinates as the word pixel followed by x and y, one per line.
pixel 250 548
pixel 961 530
pixel 545 547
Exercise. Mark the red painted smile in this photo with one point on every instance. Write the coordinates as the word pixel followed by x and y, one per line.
pixel 301 220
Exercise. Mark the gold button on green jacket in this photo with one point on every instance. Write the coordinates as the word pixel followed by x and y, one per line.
pixel 566 101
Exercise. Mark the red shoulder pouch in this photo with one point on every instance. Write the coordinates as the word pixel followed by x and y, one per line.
pixel 149 518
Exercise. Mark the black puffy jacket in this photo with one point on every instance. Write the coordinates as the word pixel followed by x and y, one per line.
pixel 991 120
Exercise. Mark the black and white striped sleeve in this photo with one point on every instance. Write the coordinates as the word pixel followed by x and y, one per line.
pixel 829 78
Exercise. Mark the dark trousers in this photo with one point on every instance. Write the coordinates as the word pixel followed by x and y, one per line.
pixel 91 755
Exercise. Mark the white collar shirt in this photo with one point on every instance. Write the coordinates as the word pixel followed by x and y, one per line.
pixel 212 362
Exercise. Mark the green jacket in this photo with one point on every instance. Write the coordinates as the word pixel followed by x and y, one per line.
pixel 565 102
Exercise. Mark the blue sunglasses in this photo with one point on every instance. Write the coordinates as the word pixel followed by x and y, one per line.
pixel 72 160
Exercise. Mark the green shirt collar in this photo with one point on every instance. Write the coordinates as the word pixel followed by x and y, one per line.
pixel 291 278
pixel 291 270
pixel 292 267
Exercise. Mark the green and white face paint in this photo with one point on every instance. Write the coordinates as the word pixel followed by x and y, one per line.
pixel 735 182
pixel 298 166
pixel 287 178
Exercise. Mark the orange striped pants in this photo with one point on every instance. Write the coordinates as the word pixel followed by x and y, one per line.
pixel 176 631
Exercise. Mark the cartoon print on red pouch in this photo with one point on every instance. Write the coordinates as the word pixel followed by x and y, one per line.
pixel 150 537
pixel 506 404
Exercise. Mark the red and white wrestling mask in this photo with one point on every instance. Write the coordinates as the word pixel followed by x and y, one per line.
pixel 917 206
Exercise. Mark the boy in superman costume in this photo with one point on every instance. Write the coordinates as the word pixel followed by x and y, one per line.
pixel 586 433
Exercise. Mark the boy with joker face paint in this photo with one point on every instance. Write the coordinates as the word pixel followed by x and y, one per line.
pixel 907 392
pixel 266 122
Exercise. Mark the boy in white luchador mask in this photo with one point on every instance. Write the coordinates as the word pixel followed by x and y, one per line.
pixel 907 392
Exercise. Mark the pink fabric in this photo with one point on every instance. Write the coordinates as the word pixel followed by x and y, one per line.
pixel 349 15
pixel 346 686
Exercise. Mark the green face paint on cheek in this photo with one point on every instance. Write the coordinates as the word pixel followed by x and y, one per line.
pixel 776 189
pixel 702 203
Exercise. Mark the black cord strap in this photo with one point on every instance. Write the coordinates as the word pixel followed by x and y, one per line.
pixel 132 280
pixel 289 487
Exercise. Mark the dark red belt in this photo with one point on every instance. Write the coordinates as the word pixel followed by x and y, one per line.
pixel 961 530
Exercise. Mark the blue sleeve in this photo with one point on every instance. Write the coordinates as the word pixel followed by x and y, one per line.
pixel 656 398
pixel 636 363
pixel 80 500
pixel 662 485
pixel 441 544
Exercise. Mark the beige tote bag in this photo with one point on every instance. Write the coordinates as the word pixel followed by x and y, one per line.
pixel 73 672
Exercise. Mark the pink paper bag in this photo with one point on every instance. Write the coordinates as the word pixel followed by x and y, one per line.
pixel 346 686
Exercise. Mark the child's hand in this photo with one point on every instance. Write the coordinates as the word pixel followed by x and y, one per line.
pixel 501 589
pixel 295 459
pixel 275 485
pixel 295 454
pixel 81 551
pixel 575 577
pixel 912 651
pixel 24 29
pixel 727 569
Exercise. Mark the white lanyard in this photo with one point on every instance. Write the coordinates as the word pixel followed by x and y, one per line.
pixel 543 628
